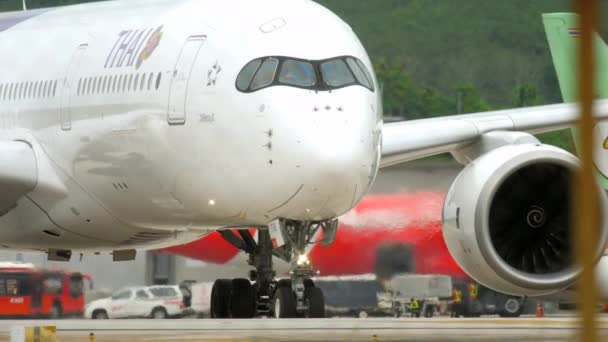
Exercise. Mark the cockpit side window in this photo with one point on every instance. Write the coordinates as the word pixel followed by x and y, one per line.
pixel 367 74
pixel 297 73
pixel 246 75
pixel 265 74
pixel 359 73
pixel 336 73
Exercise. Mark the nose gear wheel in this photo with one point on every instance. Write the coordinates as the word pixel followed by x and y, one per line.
pixel 266 296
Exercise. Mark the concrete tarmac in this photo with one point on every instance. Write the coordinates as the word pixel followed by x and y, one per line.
pixel 300 330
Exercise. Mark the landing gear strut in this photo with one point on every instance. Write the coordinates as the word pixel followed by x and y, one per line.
pixel 286 298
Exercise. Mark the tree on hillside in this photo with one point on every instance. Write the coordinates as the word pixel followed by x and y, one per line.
pixel 405 98
pixel 527 95
pixel 397 87
pixel 469 99
pixel 16 5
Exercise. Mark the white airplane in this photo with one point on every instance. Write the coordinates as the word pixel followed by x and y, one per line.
pixel 148 123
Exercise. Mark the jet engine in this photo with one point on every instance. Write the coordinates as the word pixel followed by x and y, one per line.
pixel 508 219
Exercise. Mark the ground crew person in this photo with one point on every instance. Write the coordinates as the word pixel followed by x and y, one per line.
pixel 414 307
pixel 456 303
pixel 473 291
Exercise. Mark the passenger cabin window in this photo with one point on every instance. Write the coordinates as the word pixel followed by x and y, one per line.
pixel 114 83
pixel 103 84
pixel 158 80
pixel 322 75
pixel 124 84
pixel 129 86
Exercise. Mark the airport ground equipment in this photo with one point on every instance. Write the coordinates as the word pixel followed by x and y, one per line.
pixel 201 298
pixel 477 300
pixel 351 295
pixel 428 290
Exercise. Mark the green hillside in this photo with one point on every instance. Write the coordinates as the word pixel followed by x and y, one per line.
pixel 494 45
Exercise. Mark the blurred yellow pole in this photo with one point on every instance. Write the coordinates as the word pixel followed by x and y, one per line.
pixel 586 203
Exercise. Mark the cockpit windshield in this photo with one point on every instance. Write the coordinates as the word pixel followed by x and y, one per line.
pixel 297 73
pixel 324 75
pixel 336 73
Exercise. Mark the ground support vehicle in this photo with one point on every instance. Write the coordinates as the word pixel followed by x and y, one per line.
pixel 27 291
pixel 158 302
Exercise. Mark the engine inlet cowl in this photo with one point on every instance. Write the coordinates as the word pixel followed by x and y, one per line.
pixel 508 219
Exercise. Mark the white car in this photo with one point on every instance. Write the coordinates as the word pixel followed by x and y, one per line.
pixel 152 301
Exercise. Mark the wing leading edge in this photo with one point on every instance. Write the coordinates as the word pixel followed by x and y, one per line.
pixel 409 140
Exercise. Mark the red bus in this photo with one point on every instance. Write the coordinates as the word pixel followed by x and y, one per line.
pixel 30 292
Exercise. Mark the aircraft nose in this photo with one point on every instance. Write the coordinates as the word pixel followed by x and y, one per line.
pixel 342 152
pixel 336 161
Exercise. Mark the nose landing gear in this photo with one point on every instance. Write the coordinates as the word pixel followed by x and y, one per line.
pixel 285 298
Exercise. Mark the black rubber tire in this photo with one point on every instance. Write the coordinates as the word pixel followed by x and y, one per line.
pixel 56 311
pixel 220 298
pixel 511 308
pixel 243 299
pixel 316 302
pixel 308 283
pixel 284 283
pixel 159 313
pixel 429 311
pixel 284 303
pixel 99 314
pixel 474 308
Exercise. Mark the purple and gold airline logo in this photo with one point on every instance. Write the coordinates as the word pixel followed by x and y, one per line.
pixel 133 47
pixel 150 46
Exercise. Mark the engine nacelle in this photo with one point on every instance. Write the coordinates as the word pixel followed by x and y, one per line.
pixel 507 219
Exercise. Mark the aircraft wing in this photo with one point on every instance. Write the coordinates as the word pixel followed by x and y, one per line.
pixel 409 140
pixel 18 173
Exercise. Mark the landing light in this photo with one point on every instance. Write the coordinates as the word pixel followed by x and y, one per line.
pixel 302 260
pixel 211 202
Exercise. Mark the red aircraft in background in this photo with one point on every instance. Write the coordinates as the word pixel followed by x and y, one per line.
pixel 384 234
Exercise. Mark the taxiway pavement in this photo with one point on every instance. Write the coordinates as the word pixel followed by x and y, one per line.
pixel 404 329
